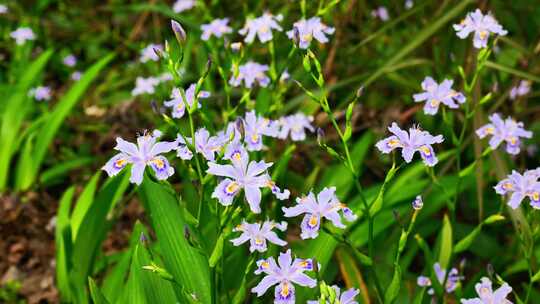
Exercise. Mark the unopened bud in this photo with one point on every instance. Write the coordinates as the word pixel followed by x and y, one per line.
pixel 158 52
pixel 320 136
pixel 154 106
pixel 239 125
pixel 296 36
pixel 490 270
pixel 187 233
pixel 178 31
pixel 143 239
pixel 418 203
pixel 359 92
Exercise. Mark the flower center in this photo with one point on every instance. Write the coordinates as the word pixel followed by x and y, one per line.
pixel 508 186
pixel 119 164
pixel 255 138
pixel 285 290
pixel 159 163
pixel 483 34
pixel 434 102
pixel 393 143
pixel 313 220
pixel 425 150
pixel 232 188
pixel 307 37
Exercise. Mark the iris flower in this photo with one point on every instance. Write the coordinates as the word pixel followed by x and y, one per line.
pixel 296 126
pixel 261 27
pixel 217 27
pixel 255 126
pixel 258 233
pixel 178 104
pixel 486 295
pixel 521 186
pixel 451 281
pixel 481 25
pixel 508 130
pixel 434 94
pixel 325 205
pixel 147 152
pixel 246 175
pixel 414 141
pixel 309 29
pixel 22 34
pixel 283 273
pixel 250 73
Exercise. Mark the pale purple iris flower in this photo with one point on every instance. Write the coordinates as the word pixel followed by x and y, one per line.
pixel 3 9
pixel 70 60
pixel 76 75
pixel 250 73
pixel 41 93
pixel 246 175
pixel 434 94
pixel 508 130
pixel 414 141
pixel 261 27
pixel 409 4
pixel 255 127
pixel 522 89
pixel 481 25
pixel 295 125
pixel 149 54
pixel 22 34
pixel 205 144
pixel 347 297
pixel 520 187
pixel 183 5
pixel 258 233
pixel 325 205
pixel 451 281
pixel 309 29
pixel 145 86
pixel 283 273
pixel 486 295
pixel 147 152
pixel 217 27
pixel 178 104
pixel 381 12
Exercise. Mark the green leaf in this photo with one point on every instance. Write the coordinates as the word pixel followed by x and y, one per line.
pixel 62 236
pixel 62 109
pixel 24 164
pixel 96 294
pixel 63 168
pixel 509 70
pixel 83 204
pixel 95 225
pixel 217 252
pixel 187 264
pixel 536 277
pixel 143 285
pixel 393 289
pixel 466 242
pixel 16 107
pixel 446 243
pixel 348 122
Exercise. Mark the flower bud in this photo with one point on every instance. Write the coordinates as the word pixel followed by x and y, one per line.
pixel 178 31
pixel 418 203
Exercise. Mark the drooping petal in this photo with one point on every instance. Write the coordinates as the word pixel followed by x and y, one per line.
pixel 137 173
pixel 253 197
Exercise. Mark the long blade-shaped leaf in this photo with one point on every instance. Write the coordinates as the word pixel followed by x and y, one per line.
pixel 186 264
pixel 15 111
pixel 62 109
